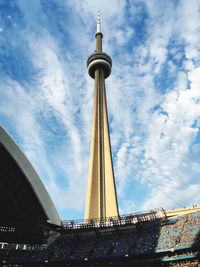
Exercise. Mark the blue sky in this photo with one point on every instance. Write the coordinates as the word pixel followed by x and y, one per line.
pixel 153 94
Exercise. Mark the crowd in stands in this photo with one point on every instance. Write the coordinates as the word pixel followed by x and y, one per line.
pixel 179 232
pixel 149 237
pixel 126 240
pixel 146 238
pixel 22 255
pixel 104 244
pixel 63 246
pixel 86 242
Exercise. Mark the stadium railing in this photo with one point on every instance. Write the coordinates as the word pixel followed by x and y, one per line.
pixel 126 219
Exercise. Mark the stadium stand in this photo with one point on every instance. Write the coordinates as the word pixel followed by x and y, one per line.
pixel 153 242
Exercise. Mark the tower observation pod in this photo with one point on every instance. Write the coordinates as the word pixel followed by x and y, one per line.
pixel 101 201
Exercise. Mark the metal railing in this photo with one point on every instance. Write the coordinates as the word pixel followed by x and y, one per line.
pixel 127 219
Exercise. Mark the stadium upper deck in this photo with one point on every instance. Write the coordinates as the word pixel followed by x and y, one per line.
pixel 157 242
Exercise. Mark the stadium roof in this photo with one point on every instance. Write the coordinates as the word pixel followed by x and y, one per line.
pixel 25 204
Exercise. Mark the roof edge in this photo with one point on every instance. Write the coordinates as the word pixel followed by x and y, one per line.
pixel 31 176
pixel 182 211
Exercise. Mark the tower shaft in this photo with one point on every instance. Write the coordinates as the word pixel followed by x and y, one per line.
pixel 101 199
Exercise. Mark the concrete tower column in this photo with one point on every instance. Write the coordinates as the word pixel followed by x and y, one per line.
pixel 101 199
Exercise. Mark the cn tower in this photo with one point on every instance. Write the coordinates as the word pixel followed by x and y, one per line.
pixel 101 201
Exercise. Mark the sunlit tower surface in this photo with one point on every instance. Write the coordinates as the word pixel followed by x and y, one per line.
pixel 101 199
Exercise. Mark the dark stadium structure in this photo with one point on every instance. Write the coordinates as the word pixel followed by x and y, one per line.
pixel 27 212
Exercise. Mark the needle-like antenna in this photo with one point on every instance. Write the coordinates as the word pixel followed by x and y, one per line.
pixel 98 22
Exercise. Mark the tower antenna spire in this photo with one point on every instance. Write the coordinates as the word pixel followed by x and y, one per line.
pixel 98 22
